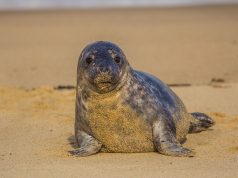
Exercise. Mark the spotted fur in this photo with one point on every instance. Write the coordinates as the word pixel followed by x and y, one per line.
pixel 119 109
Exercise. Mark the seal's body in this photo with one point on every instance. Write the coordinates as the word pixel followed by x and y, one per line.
pixel 119 109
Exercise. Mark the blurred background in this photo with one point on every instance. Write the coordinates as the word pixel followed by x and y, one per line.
pixel 180 41
pixel 42 4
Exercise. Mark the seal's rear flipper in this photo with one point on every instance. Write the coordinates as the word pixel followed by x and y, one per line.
pixel 200 122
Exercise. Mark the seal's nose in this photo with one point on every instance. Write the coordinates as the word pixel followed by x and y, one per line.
pixel 105 66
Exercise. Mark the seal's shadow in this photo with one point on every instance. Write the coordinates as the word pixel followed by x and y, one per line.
pixel 72 141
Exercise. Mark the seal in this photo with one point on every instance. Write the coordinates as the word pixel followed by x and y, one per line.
pixel 119 109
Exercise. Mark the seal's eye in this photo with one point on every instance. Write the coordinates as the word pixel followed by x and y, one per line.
pixel 117 59
pixel 89 60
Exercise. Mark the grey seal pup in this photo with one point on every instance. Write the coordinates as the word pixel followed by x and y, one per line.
pixel 119 109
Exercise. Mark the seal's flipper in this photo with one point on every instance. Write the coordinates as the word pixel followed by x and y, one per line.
pixel 165 141
pixel 87 145
pixel 85 151
pixel 177 150
pixel 200 122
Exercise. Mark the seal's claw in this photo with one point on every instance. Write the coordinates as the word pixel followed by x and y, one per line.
pixel 81 152
pixel 179 151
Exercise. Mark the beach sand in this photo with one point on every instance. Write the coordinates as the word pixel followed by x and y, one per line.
pixel 197 47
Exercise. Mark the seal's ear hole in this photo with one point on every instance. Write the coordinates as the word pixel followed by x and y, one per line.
pixel 117 59
pixel 89 60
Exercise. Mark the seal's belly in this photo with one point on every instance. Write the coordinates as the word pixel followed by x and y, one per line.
pixel 118 127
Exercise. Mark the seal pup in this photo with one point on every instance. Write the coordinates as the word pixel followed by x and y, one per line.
pixel 119 109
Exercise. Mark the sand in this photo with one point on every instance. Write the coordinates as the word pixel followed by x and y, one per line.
pixel 38 50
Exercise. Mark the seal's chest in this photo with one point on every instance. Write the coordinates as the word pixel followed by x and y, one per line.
pixel 118 127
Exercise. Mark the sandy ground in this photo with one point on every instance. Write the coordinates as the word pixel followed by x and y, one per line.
pixel 38 50
pixel 36 133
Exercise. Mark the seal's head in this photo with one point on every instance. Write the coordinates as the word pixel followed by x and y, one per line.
pixel 102 65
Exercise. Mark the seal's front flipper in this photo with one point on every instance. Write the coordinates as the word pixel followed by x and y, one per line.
pixel 176 150
pixel 200 122
pixel 165 141
pixel 85 151
pixel 87 145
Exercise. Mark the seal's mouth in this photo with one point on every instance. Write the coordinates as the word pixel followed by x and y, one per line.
pixel 103 81
pixel 104 84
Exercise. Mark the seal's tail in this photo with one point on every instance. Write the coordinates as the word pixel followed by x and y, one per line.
pixel 200 122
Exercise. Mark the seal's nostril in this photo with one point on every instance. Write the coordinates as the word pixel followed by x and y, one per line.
pixel 89 60
pixel 117 59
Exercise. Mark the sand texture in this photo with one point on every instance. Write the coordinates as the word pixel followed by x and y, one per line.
pixel 194 47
